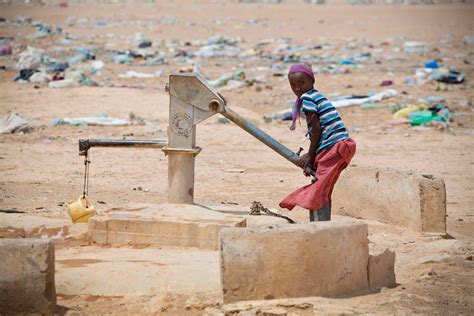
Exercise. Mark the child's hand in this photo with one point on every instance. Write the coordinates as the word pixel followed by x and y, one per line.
pixel 304 161
pixel 308 172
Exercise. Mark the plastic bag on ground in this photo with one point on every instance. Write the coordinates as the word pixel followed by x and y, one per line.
pixel 13 123
pixel 92 120
pixel 357 101
pixel 31 58
pixel 135 74
pixel 65 83
pixel 223 80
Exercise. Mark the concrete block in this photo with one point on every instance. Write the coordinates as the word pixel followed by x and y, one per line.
pixel 31 226
pixel 409 200
pixel 27 276
pixel 381 270
pixel 264 220
pixel 298 260
pixel 164 225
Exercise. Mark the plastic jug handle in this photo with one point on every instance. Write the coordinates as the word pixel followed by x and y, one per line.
pixel 86 201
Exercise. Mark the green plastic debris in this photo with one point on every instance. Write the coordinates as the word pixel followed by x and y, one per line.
pixel 366 106
pixel 223 80
pixel 420 117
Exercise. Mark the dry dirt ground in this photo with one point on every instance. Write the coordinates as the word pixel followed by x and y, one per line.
pixel 41 170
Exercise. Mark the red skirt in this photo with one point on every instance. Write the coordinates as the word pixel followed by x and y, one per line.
pixel 329 165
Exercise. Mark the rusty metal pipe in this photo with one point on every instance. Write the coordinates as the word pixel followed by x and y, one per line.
pixel 86 144
pixel 262 136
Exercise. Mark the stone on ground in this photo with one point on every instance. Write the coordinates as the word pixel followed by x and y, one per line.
pixel 381 269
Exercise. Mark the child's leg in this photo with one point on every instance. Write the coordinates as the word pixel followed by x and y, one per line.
pixel 324 213
pixel 311 216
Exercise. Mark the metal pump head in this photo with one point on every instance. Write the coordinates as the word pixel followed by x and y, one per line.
pixel 192 101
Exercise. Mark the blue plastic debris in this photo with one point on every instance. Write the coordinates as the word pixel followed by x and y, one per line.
pixel 433 64
pixel 347 62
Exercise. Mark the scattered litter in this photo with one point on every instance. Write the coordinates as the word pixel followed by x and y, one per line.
pixel 65 83
pixel 442 74
pixel 5 50
pixel 432 99
pixel 374 98
pixel 404 112
pixel 99 23
pixel 123 58
pixel 339 102
pixel 98 64
pixel 31 58
pixel 415 47
pixel 217 50
pixel 347 62
pixel 409 81
pixel 386 83
pixel 40 77
pixel 366 106
pixel 469 39
pixel 446 75
pixel 433 64
pixel 223 80
pixel 168 20
pixel 156 61
pixel 234 84
pixel 13 123
pixel 80 58
pixel 219 46
pixel 135 74
pixel 420 117
pixel 102 120
pixel 144 44
pixel 25 74
pixel 437 115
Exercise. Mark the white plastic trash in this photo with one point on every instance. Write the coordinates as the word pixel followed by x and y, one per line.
pixel 66 83
pixel 40 77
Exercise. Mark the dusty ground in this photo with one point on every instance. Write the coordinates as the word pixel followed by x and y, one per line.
pixel 41 170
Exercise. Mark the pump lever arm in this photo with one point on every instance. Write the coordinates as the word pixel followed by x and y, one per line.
pixel 263 137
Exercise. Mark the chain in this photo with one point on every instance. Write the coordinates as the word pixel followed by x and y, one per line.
pixel 86 174
pixel 258 209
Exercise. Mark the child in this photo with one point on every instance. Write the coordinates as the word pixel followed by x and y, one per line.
pixel 331 148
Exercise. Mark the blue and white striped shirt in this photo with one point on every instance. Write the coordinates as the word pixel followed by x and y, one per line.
pixel 333 129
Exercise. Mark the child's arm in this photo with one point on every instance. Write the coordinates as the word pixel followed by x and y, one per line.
pixel 310 157
pixel 294 116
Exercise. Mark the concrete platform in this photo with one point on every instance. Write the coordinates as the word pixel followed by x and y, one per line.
pixel 164 225
pixel 31 226
pixel 89 271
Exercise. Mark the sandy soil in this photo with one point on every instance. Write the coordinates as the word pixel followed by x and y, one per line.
pixel 41 170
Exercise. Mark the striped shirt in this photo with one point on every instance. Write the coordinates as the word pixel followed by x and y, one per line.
pixel 333 129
